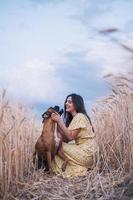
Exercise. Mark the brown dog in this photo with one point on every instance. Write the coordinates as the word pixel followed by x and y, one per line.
pixel 49 143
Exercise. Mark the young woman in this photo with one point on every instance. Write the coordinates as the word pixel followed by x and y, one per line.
pixel 77 127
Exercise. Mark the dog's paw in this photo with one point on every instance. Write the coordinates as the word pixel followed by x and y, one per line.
pixel 63 167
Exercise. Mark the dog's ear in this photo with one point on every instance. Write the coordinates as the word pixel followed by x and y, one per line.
pixel 56 108
pixel 43 115
pixel 61 112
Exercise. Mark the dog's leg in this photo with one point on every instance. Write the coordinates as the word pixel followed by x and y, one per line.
pixel 34 157
pixel 58 144
pixel 48 153
pixel 56 138
pixel 37 160
pixel 64 157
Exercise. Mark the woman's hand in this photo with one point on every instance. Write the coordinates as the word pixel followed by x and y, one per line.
pixel 65 132
pixel 56 117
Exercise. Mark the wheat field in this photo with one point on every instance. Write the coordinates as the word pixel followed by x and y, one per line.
pixel 112 117
pixel 18 133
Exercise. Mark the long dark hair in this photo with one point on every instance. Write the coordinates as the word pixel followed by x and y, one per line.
pixel 79 107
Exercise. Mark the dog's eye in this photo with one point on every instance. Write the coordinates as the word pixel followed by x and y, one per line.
pixel 45 115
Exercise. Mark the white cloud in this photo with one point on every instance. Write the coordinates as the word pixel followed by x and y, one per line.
pixel 110 57
pixel 106 54
pixel 48 33
pixel 117 14
pixel 34 81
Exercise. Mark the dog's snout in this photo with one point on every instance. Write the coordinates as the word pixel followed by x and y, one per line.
pixel 56 108
pixel 61 112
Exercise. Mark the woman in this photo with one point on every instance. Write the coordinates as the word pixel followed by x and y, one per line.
pixel 78 128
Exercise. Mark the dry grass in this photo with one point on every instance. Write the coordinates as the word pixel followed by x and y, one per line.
pixel 94 185
pixel 18 132
pixel 111 177
pixel 113 120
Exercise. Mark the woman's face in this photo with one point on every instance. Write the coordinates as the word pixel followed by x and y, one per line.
pixel 69 105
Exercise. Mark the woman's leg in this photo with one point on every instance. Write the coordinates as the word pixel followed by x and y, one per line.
pixel 63 157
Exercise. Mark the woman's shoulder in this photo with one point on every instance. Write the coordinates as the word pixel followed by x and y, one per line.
pixel 80 115
pixel 78 121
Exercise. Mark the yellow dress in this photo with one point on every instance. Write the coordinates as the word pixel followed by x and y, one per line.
pixel 81 153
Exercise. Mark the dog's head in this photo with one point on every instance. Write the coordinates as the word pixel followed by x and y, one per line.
pixel 51 110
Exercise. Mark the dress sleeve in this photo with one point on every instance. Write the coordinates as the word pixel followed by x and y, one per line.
pixel 77 122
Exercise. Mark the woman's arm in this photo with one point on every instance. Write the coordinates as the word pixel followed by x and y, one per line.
pixel 62 134
pixel 65 132
pixel 69 134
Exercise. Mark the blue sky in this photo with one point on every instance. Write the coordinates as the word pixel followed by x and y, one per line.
pixel 49 49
